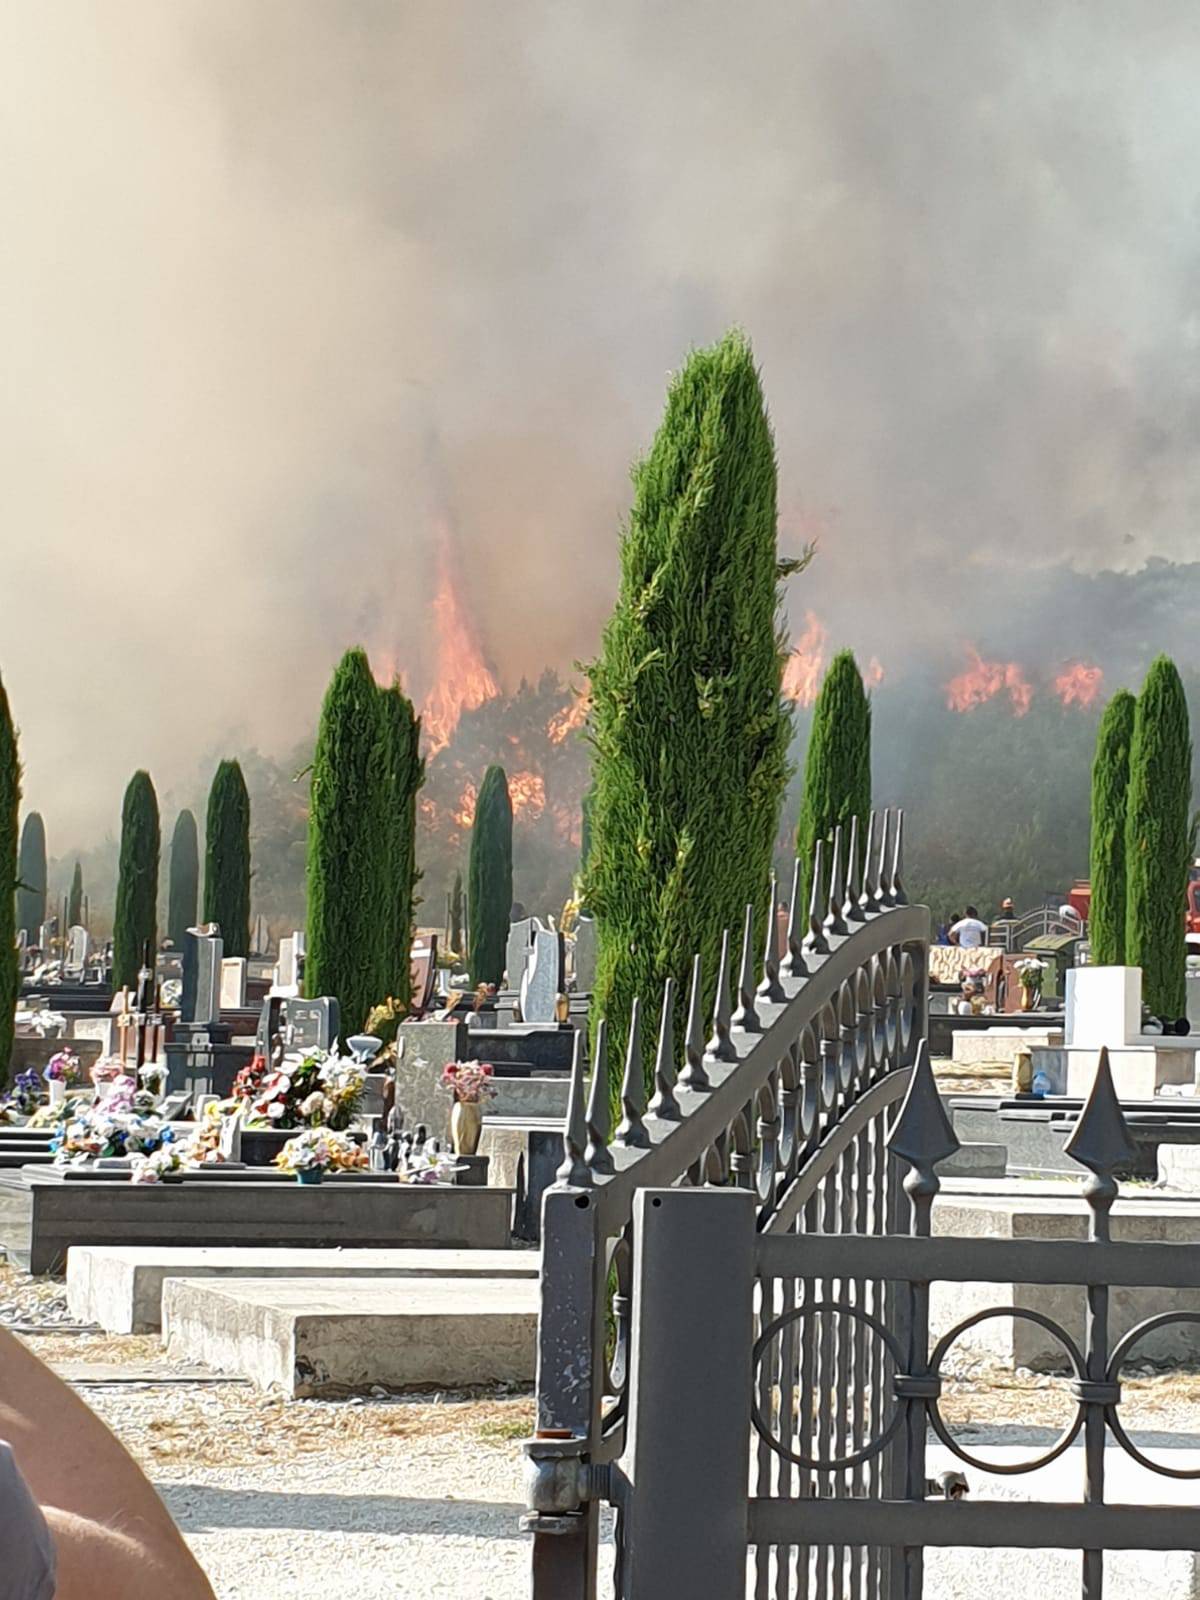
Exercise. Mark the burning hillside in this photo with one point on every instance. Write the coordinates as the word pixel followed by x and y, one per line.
pixel 1077 684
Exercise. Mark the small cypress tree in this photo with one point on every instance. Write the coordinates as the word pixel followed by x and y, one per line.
pixel 10 804
pixel 31 873
pixel 1110 792
pixel 403 775
pixel 456 914
pixel 348 848
pixel 687 722
pixel 1158 840
pixel 837 768
pixel 490 878
pixel 227 858
pixel 183 897
pixel 75 900
pixel 134 922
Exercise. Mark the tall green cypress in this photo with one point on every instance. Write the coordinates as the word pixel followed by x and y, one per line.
pixel 134 923
pixel 1158 840
pixel 837 768
pixel 75 899
pixel 348 848
pixel 456 914
pixel 1110 793
pixel 688 726
pixel 10 804
pixel 31 874
pixel 403 775
pixel 183 895
pixel 227 858
pixel 490 880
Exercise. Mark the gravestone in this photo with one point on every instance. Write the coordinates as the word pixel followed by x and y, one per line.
pixel 520 942
pixel 422 969
pixel 310 1024
pixel 288 967
pixel 542 977
pixel 585 955
pixel 233 983
pixel 260 937
pixel 47 934
pixel 77 950
pixel 200 1002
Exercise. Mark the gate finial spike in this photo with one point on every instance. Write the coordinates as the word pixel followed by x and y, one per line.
pixel 867 900
pixel 631 1130
pixel 852 908
pixel 921 1136
pixel 834 921
pixel 693 1075
pixel 885 855
pixel 664 1105
pixel 574 1171
pixel 1101 1142
pixel 599 1114
pixel 720 1046
pixel 745 1017
pixel 770 988
pixel 899 898
pixel 815 939
pixel 793 964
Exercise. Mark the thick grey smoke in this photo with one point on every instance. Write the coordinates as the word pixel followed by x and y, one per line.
pixel 289 285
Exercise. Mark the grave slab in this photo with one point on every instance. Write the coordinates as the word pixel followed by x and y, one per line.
pixel 323 1336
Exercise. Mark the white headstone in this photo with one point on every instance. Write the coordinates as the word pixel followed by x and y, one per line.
pixel 233 983
pixel 1104 1006
pixel 539 985
pixel 77 949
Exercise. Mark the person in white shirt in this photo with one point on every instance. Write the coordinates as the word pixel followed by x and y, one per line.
pixel 969 931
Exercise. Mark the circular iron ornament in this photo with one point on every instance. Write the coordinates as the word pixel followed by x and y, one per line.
pixel 834 1463
pixel 1065 1440
pixel 811 1089
pixel 862 1001
pixel 908 1005
pixel 892 1004
pixel 1117 1360
pixel 879 1009
pixel 847 1030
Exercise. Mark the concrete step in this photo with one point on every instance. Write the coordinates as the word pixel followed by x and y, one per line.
pixel 330 1336
pixel 121 1287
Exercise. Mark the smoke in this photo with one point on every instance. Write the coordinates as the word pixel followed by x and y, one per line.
pixel 288 285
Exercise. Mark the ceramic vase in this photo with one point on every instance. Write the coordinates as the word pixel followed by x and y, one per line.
pixel 310 1175
pixel 466 1124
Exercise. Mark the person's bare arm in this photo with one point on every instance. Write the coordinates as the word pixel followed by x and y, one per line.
pixel 114 1536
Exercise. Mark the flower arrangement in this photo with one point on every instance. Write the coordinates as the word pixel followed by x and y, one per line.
pixel 1029 972
pixel 121 1123
pixel 470 1082
pixel 203 1148
pixel 159 1164
pixel 106 1071
pixel 23 1099
pixel 319 1150
pixel 426 1163
pixel 43 1022
pixel 63 1067
pixel 319 1089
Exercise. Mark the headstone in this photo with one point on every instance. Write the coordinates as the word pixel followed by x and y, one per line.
pixel 309 1024
pixel 1104 1006
pixel 77 949
pixel 47 934
pixel 520 942
pixel 585 954
pixel 543 974
pixel 289 966
pixel 260 937
pixel 233 983
pixel 422 966
pixel 200 1002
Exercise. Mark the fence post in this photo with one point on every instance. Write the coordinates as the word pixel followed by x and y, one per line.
pixel 684 1503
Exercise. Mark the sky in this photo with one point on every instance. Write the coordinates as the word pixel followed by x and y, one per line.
pixel 296 292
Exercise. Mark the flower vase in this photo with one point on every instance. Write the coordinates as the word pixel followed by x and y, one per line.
pixel 310 1175
pixel 466 1124
pixel 57 1091
pixel 1029 997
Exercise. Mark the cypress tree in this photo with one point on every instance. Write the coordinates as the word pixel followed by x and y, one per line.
pixel 134 923
pixel 456 914
pixel 688 726
pixel 1158 840
pixel 348 850
pixel 837 768
pixel 227 858
pixel 183 898
pixel 31 874
pixel 10 804
pixel 403 775
pixel 75 901
pixel 490 878
pixel 1110 791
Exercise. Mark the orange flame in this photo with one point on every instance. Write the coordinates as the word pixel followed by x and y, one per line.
pixel 873 676
pixel 527 791
pixel 465 815
pixel 570 719
pixel 462 678
pixel 1078 683
pixel 984 680
pixel 802 671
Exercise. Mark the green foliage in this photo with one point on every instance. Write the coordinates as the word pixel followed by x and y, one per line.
pixel 183 899
pixel 348 859
pixel 1157 840
pixel 837 771
pixel 10 804
pixel 227 858
pixel 403 775
pixel 490 878
pixel 75 898
pixel 137 881
pixel 1110 790
pixel 689 730
pixel 457 908
pixel 31 875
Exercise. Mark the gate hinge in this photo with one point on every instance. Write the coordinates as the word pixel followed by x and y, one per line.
pixel 558 1483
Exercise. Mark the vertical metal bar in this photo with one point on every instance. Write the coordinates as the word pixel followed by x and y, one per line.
pixel 765 1295
pixel 1094 1428
pixel 807 1485
pixel 785 1554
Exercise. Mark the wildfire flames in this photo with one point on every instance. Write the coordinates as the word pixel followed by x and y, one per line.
pixel 802 671
pixel 873 676
pixel 464 815
pixel 462 679
pixel 984 680
pixel 569 720
pixel 1078 684
pixel 527 790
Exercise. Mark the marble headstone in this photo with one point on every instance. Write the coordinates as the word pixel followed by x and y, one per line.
pixel 520 942
pixel 543 973
pixel 585 954
pixel 47 934
pixel 233 983
pixel 200 1001
pixel 77 949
